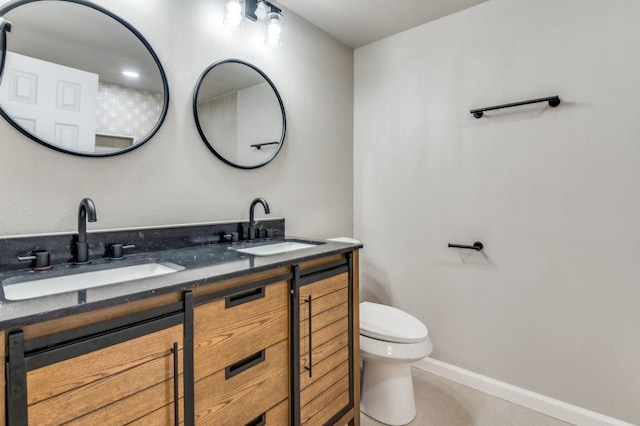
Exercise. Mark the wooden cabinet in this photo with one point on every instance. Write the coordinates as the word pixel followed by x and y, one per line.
pixel 277 347
pixel 242 357
pixel 327 360
pixel 129 375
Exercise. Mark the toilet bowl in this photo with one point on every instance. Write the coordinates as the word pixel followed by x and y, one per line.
pixel 390 339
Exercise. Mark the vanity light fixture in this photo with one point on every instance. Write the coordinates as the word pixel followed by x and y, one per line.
pixel 257 10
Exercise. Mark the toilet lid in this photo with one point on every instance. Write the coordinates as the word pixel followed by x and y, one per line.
pixel 390 324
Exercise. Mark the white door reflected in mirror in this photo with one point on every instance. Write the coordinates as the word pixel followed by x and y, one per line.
pixel 54 102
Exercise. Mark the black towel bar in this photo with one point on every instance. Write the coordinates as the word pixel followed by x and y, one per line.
pixel 554 101
pixel 260 145
pixel 476 246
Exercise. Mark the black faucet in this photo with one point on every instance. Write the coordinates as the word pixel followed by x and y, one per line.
pixel 86 211
pixel 252 224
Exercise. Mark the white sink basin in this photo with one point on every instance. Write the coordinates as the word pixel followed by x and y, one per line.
pixel 277 248
pixel 17 288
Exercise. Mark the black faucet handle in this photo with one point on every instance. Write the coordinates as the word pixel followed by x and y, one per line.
pixel 270 233
pixel 117 250
pixel 225 237
pixel 41 260
pixel 230 237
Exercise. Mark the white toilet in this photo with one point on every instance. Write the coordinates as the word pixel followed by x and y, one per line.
pixel 390 339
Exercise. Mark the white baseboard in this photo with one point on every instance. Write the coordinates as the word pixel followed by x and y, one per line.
pixel 534 401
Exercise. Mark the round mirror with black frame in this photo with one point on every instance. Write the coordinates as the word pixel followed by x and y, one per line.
pixel 79 79
pixel 239 114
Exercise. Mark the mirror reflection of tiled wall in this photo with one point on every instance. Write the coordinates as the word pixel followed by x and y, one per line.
pixel 125 111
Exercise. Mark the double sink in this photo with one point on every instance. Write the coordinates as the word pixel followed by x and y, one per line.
pixel 30 286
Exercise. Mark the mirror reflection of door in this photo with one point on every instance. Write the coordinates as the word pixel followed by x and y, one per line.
pixel 71 86
pixel 54 102
pixel 239 114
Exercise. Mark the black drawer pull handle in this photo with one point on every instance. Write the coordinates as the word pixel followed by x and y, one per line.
pixel 261 420
pixel 310 367
pixel 244 364
pixel 176 385
pixel 244 297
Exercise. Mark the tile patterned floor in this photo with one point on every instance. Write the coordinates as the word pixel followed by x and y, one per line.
pixel 440 402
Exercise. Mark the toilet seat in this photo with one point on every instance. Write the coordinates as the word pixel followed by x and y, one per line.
pixel 389 324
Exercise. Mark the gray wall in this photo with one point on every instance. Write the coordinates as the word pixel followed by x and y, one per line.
pixel 551 305
pixel 174 178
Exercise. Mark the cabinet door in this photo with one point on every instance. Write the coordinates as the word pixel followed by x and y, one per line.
pixel 324 332
pixel 132 375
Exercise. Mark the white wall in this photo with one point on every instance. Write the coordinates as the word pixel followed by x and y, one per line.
pixel 174 178
pixel 218 119
pixel 260 121
pixel 552 304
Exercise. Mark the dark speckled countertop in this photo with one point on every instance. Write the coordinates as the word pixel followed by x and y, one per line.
pixel 204 264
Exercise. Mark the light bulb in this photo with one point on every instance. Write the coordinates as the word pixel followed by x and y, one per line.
pixel 274 30
pixel 234 12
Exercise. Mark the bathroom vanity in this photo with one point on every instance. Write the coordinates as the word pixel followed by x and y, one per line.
pixel 232 338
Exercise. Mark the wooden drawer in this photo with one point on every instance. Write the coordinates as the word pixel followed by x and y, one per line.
pixel 277 416
pixel 116 385
pixel 223 334
pixel 249 392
